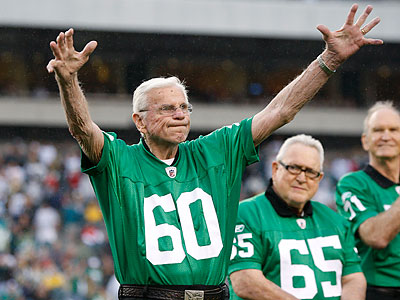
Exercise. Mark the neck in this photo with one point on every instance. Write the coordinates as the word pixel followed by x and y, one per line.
pixel 390 168
pixel 162 150
pixel 297 208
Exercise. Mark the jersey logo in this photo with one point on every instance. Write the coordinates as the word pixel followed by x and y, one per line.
pixel 239 228
pixel 171 171
pixel 398 189
pixel 302 223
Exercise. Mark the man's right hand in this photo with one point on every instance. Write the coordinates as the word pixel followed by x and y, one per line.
pixel 67 61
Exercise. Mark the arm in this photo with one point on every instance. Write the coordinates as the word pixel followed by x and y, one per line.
pixel 66 64
pixel 340 45
pixel 380 230
pixel 252 284
pixel 353 286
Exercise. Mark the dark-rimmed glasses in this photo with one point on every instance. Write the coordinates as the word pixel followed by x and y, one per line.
pixel 296 170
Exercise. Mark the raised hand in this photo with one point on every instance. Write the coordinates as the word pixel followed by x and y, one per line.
pixel 350 38
pixel 67 61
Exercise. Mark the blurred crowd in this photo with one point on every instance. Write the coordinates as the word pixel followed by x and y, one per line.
pixel 53 243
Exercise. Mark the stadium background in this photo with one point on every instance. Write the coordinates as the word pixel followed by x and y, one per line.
pixel 234 55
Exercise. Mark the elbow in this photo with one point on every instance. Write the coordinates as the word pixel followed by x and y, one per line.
pixel 379 244
pixel 375 242
pixel 80 132
pixel 242 292
pixel 242 288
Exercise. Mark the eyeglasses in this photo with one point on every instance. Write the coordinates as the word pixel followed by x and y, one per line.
pixel 170 110
pixel 296 170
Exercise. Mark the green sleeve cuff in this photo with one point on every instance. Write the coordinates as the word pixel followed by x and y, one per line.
pixel 243 265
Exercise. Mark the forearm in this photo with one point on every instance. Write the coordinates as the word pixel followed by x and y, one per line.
pixel 283 108
pixel 380 230
pixel 251 284
pixel 80 124
pixel 353 287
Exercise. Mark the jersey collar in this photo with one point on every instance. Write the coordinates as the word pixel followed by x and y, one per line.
pixel 381 180
pixel 148 150
pixel 281 206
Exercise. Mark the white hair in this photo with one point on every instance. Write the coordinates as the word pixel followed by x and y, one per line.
pixel 303 139
pixel 374 108
pixel 139 101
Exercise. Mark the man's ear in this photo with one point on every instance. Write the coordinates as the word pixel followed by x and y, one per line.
pixel 321 176
pixel 274 167
pixel 364 142
pixel 138 120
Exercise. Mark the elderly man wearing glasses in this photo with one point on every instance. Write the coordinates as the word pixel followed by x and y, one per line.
pixel 288 247
pixel 169 204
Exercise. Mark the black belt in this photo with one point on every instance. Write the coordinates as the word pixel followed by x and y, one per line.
pixel 389 290
pixel 174 292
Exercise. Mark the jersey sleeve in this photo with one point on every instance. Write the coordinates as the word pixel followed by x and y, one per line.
pixel 103 174
pixel 352 260
pixel 354 201
pixel 247 250
pixel 91 169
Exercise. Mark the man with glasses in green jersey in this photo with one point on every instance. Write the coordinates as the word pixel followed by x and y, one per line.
pixel 289 247
pixel 369 199
pixel 169 205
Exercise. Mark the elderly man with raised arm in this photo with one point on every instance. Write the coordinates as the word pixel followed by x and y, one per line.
pixel 169 205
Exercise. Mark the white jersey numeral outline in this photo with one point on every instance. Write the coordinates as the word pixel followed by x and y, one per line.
pixel 154 232
pixel 348 198
pixel 290 270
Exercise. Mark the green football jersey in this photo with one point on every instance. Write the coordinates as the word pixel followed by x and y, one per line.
pixel 305 256
pixel 361 195
pixel 172 225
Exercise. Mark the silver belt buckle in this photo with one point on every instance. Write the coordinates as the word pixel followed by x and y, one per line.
pixel 194 295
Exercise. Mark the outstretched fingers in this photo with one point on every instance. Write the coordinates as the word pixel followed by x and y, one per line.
pixel 373 41
pixel 352 13
pixel 60 40
pixel 50 66
pixel 364 16
pixel 367 28
pixel 89 48
pixel 55 49
pixel 69 40
pixel 325 31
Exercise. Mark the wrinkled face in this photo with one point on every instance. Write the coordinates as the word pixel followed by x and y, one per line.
pixel 297 190
pixel 382 139
pixel 157 125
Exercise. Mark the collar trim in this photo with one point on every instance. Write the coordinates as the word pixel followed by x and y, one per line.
pixel 281 207
pixel 148 150
pixel 381 180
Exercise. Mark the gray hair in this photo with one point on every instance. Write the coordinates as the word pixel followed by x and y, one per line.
pixel 139 101
pixel 303 139
pixel 374 108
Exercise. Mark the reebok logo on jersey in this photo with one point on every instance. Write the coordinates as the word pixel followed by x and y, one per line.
pixel 239 228
pixel 302 223
pixel 171 171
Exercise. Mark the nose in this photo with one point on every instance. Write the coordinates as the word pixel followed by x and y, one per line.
pixel 301 177
pixel 386 135
pixel 179 113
